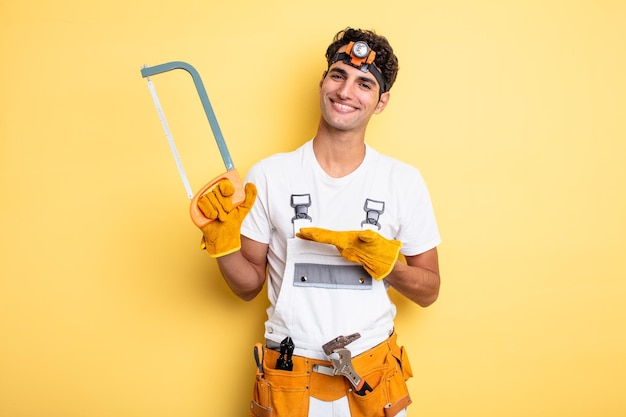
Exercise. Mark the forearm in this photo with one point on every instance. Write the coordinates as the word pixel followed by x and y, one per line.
pixel 244 270
pixel 418 279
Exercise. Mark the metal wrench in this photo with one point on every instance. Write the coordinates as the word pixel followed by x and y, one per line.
pixel 341 359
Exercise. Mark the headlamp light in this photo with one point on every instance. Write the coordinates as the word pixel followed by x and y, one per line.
pixel 361 50
pixel 360 56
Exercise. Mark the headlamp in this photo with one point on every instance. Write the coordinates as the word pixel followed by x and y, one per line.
pixel 360 56
pixel 360 52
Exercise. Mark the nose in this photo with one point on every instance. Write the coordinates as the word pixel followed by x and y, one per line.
pixel 344 90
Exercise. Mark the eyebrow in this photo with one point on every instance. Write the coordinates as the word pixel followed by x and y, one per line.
pixel 361 78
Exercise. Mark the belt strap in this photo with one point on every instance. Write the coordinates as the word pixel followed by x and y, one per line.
pixel 326 370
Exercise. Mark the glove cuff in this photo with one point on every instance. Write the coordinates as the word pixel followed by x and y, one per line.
pixel 378 275
pixel 217 251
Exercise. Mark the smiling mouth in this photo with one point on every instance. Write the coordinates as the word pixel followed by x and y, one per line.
pixel 342 107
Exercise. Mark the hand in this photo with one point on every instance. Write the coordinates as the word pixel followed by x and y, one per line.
pixel 223 235
pixel 366 247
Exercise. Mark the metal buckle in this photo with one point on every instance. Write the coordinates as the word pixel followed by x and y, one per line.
pixel 373 210
pixel 301 204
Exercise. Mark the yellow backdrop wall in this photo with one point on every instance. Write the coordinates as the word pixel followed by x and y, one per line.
pixel 513 111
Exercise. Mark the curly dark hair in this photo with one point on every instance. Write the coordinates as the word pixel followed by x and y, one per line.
pixel 385 60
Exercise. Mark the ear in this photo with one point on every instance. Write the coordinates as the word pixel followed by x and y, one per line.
pixel 382 103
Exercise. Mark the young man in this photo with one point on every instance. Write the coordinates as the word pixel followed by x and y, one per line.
pixel 326 225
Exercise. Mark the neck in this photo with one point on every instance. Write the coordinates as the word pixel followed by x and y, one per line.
pixel 339 154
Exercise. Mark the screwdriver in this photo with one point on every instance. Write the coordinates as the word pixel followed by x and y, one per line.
pixel 258 357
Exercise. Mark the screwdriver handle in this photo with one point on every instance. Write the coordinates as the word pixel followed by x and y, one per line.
pixel 258 357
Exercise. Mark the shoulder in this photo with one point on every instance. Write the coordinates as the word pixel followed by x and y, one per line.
pixel 392 166
pixel 278 165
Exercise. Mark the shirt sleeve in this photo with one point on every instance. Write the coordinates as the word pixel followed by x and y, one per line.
pixel 418 226
pixel 256 224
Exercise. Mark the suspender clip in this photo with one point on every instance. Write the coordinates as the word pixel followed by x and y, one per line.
pixel 373 210
pixel 301 204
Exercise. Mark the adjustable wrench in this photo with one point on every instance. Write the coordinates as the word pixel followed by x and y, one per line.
pixel 341 359
pixel 339 342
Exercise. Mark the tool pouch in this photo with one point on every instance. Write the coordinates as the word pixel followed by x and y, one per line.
pixel 280 393
pixel 386 370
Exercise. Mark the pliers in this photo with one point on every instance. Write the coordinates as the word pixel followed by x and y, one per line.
pixel 284 361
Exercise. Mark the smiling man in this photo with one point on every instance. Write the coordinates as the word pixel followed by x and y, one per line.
pixel 325 225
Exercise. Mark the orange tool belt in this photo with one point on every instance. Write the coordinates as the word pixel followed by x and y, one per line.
pixel 385 367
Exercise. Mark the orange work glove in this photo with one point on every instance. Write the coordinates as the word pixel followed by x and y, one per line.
pixel 223 235
pixel 377 254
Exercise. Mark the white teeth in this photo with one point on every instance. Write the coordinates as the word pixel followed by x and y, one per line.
pixel 344 107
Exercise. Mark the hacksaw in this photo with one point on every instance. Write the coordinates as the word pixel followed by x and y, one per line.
pixel 199 219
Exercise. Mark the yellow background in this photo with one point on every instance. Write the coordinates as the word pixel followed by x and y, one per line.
pixel 513 110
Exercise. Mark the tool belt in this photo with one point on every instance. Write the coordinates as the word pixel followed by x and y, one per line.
pixel 281 393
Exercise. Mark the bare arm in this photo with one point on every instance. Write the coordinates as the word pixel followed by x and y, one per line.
pixel 418 279
pixel 244 270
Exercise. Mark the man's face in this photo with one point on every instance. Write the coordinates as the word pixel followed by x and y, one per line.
pixel 349 97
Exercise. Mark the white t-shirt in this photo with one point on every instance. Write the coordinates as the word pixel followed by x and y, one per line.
pixel 337 203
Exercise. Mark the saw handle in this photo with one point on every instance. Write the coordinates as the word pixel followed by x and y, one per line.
pixel 197 216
